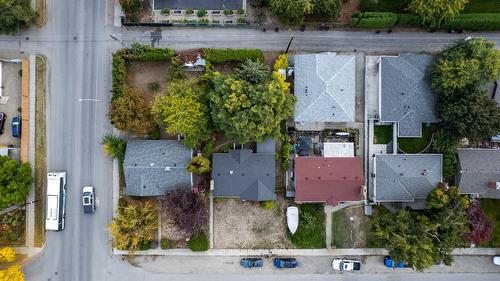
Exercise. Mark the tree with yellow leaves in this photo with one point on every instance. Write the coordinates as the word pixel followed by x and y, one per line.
pixel 13 273
pixel 7 254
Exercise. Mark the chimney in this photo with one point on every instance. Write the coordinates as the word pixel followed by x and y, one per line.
pixel 494 185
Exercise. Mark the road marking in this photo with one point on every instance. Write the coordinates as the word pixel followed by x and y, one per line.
pixel 90 100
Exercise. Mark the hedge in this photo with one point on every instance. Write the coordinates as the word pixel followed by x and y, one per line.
pixel 198 243
pixel 374 20
pixel 408 20
pixel 147 53
pixel 118 73
pixel 238 55
pixel 486 21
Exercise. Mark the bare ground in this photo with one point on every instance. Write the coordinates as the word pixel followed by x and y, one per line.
pixel 140 74
pixel 239 224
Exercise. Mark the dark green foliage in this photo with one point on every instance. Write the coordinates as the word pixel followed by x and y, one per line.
pixel 374 20
pixel 238 55
pixel 259 3
pixel 147 53
pixel 446 145
pixel 241 20
pixel 165 11
pixel 155 134
pixel 154 86
pixel 164 244
pixel 484 21
pixel 175 71
pixel 130 6
pixel 291 11
pixel 144 245
pixel 482 6
pixel 492 209
pixel 327 9
pixel 394 6
pixel 118 73
pixel 408 20
pixel 228 12
pixel 311 231
pixel 198 243
pixel 189 12
pixel 114 146
pixel 383 133
pixel 253 72
pixel 208 148
pixel 241 12
pixel 15 181
pixel 201 13
pixel 15 13
pixel 286 147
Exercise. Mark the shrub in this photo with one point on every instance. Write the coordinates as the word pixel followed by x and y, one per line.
pixel 187 210
pixel 216 21
pixel 189 12
pixel 203 21
pixel 147 53
pixel 165 11
pixel 237 55
pixel 175 71
pixel 144 245
pixel 228 12
pixel 201 13
pixel 164 244
pixel 15 181
pixel 114 147
pixel 208 148
pixel 155 134
pixel 268 205
pixel 374 20
pixel 131 112
pixel 153 86
pixel 241 12
pixel 198 243
pixel 7 254
pixel 198 165
pixel 408 20
pixel 241 20
pixel 482 21
pixel 118 73
pixel 481 228
pixel 281 62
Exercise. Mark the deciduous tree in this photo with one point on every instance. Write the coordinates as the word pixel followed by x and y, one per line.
pixel 7 254
pixel 198 165
pixel 327 9
pixel 434 12
pixel 188 211
pixel 15 13
pixel 291 11
pixel 481 227
pixel 131 112
pixel 12 273
pixel 253 72
pixel 15 181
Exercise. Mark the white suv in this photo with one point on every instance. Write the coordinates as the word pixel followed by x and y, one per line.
pixel 346 265
pixel 88 200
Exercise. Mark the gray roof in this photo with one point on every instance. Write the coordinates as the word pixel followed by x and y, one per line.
pixel 406 177
pixel 156 167
pixel 243 174
pixel 324 86
pixel 477 168
pixel 406 96
pixel 199 4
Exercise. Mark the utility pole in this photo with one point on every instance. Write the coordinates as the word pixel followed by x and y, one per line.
pixel 289 43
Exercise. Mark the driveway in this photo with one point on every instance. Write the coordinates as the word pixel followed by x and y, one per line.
pixel 10 102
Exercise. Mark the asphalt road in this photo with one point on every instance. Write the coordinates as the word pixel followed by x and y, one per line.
pixel 78 45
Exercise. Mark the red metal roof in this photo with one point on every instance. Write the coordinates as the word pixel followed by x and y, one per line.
pixel 328 179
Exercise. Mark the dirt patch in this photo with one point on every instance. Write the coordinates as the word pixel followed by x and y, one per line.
pixel 141 74
pixel 247 225
pixel 270 57
pixel 349 7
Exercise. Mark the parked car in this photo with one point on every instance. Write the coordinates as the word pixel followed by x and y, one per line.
pixel 88 200
pixel 285 263
pixel 251 262
pixel 3 117
pixel 16 127
pixel 346 265
pixel 496 260
pixel 391 264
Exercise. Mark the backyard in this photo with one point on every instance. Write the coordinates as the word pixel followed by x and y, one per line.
pixel 383 134
pixel 417 145
pixel 311 231
pixel 492 209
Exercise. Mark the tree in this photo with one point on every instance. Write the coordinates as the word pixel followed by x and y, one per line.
pixel 182 113
pixel 131 112
pixel 15 181
pixel 199 165
pixel 247 112
pixel 114 146
pixel 15 13
pixel 130 8
pixel 434 12
pixel 327 9
pixel 188 211
pixel 291 11
pixel 7 254
pixel 12 273
pixel 481 227
pixel 134 225
pixel 253 72
pixel 447 145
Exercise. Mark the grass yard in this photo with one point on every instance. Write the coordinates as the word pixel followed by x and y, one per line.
pixel 492 209
pixel 416 145
pixel 347 233
pixel 311 231
pixel 383 134
pixel 371 240
pixel 395 6
pixel 482 6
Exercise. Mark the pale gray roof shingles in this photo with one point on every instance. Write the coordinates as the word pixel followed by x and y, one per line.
pixel 477 168
pixel 198 4
pixel 406 177
pixel 324 86
pixel 145 163
pixel 406 96
pixel 243 174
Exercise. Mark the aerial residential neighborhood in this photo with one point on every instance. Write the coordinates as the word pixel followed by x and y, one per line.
pixel 249 139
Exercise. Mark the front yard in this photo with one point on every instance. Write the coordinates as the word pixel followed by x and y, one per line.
pixel 492 209
pixel 311 231
pixel 349 228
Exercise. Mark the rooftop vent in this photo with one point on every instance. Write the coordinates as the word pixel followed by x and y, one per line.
pixel 231 172
pixel 152 164
pixel 167 169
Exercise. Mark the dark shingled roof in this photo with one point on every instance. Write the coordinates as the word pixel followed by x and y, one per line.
pixel 155 167
pixel 199 4
pixel 243 174
pixel 477 169
pixel 328 179
pixel 406 96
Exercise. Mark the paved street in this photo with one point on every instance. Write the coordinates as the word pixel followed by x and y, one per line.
pixel 78 47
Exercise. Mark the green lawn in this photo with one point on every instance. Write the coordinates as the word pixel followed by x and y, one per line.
pixel 395 6
pixel 383 134
pixel 341 230
pixel 492 209
pixel 482 6
pixel 415 145
pixel 311 231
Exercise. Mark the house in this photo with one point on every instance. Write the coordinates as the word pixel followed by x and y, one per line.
pixel 210 5
pixel 479 172
pixel 400 178
pixel 156 167
pixel 331 180
pixel 246 175
pixel 324 87
pixel 405 96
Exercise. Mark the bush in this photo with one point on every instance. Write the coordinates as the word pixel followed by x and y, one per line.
pixel 153 86
pixel 203 21
pixel 228 12
pixel 208 148
pixel 175 71
pixel 155 134
pixel 198 243
pixel 237 55
pixel 118 73
pixel 201 13
pixel 216 21
pixel 114 147
pixel 164 244
pixel 144 245
pixel 189 12
pixel 474 22
pixel 241 12
pixel 281 62
pixel 408 20
pixel 147 53
pixel 374 20
pixel 241 20
pixel 198 165
pixel 165 11
pixel 7 254
pixel 268 205
pixel 188 211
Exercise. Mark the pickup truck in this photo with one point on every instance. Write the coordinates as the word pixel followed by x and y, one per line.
pixel 346 265
pixel 88 200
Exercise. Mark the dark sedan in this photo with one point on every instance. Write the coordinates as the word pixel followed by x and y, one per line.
pixel 285 263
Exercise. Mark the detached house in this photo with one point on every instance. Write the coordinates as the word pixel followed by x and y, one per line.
pixel 156 167
pixel 479 172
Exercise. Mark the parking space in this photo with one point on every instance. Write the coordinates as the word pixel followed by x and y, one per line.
pixel 10 103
